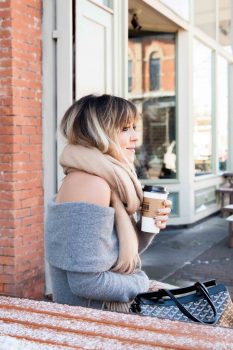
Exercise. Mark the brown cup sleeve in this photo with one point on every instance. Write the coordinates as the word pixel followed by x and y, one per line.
pixel 150 205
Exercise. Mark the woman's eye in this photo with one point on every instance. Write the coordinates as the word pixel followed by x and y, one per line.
pixel 126 128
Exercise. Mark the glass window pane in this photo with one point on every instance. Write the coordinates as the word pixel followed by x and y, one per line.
pixel 222 121
pixel 154 73
pixel 181 7
pixel 156 148
pixel 205 16
pixel 130 75
pixel 225 24
pixel 202 111
pixel 174 197
pixel 107 3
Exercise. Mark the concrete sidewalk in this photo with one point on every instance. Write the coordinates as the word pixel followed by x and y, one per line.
pixel 181 256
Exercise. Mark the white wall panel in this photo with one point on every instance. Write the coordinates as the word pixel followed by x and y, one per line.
pixel 94 49
pixel 64 66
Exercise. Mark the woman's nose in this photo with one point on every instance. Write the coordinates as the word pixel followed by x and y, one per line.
pixel 133 136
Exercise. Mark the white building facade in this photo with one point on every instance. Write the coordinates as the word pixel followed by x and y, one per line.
pixel 177 68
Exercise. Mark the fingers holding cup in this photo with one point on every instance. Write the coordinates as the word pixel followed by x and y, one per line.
pixel 155 204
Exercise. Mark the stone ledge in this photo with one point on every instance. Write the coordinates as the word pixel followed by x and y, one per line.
pixel 43 325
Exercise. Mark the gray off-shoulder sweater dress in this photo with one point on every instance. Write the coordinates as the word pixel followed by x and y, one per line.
pixel 81 246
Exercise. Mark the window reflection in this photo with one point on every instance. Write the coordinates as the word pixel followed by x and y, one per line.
pixel 154 72
pixel 202 108
pixel 205 16
pixel 130 74
pixel 225 24
pixel 153 91
pixel 222 121
pixel 107 3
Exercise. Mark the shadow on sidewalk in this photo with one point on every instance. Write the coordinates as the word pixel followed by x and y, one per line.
pixel 184 255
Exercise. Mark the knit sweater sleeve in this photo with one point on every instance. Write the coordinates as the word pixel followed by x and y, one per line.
pixel 108 286
pixel 80 238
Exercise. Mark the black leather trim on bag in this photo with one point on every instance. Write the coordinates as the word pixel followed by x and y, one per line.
pixel 162 292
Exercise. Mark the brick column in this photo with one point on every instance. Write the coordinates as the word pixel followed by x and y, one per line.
pixel 21 191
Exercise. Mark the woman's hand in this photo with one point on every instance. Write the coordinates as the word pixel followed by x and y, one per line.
pixel 161 214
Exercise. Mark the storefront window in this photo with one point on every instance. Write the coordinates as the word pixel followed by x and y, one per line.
pixel 225 24
pixel 222 121
pixel 154 73
pixel 202 111
pixel 205 16
pixel 156 148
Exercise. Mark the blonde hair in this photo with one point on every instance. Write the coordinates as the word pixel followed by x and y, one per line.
pixel 95 121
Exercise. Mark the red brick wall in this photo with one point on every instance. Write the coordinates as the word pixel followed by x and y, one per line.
pixel 21 190
pixel 141 64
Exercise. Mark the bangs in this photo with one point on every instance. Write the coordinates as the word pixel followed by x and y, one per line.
pixel 128 114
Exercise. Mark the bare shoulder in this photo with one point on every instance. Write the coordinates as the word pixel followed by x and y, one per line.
pixel 79 186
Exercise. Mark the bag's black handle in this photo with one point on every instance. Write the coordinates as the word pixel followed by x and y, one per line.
pixel 161 292
pixel 202 289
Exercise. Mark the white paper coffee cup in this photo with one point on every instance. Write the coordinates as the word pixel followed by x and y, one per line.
pixel 153 198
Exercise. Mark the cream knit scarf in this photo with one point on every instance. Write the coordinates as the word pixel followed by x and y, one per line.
pixel 126 196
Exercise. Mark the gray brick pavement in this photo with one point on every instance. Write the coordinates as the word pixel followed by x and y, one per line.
pixel 181 256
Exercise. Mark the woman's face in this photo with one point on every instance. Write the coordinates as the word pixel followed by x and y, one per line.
pixel 127 139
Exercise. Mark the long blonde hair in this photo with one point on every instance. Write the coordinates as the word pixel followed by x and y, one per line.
pixel 94 121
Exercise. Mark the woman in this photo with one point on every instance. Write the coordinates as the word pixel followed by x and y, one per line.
pixel 92 241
